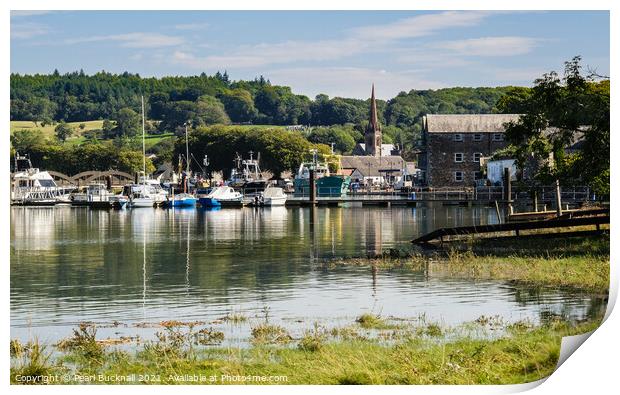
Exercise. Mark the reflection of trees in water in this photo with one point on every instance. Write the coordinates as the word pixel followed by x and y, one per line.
pixel 103 255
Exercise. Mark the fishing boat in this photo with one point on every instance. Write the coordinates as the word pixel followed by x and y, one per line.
pixel 247 176
pixel 224 195
pixel 33 187
pixel 327 185
pixel 142 197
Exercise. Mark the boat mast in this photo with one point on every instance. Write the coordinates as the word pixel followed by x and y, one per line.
pixel 143 147
pixel 186 184
pixel 186 150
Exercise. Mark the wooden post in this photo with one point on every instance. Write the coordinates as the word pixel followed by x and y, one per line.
pixel 312 184
pixel 558 198
pixel 535 201
pixel 499 218
pixel 507 185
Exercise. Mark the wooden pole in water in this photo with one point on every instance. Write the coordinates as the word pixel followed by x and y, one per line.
pixel 535 200
pixel 558 198
pixel 312 185
pixel 507 186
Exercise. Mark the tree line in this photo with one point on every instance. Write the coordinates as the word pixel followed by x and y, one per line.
pixel 215 99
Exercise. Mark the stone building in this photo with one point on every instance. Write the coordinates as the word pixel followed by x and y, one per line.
pixel 455 143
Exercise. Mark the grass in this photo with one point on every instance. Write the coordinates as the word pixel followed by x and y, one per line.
pixel 524 354
pixel 270 334
pixel 581 262
pixel 77 138
pixel 48 130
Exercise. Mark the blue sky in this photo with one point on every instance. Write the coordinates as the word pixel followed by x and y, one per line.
pixel 337 53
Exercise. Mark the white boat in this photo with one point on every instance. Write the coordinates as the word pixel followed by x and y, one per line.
pixel 96 194
pixel 145 195
pixel 219 195
pixel 141 201
pixel 273 197
pixel 30 186
pixel 155 189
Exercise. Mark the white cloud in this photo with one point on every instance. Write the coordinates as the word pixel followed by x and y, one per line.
pixel 491 46
pixel 133 40
pixel 27 30
pixel 277 53
pixel 350 81
pixel 360 40
pixel 421 25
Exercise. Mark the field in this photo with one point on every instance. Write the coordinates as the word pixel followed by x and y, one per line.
pixel 48 130
pixel 77 138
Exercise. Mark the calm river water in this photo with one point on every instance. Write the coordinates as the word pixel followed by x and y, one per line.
pixel 70 265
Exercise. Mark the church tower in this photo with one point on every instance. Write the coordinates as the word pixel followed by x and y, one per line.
pixel 372 136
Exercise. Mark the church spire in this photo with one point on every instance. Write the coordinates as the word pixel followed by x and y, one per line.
pixel 374 121
pixel 373 136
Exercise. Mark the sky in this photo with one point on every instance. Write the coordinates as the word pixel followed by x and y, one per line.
pixel 338 53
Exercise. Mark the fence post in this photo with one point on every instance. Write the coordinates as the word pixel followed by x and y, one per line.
pixel 558 197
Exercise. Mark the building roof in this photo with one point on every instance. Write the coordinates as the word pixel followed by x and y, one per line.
pixel 386 149
pixel 373 166
pixel 467 123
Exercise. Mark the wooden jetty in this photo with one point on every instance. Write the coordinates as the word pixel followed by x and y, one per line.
pixel 516 227
pixel 545 215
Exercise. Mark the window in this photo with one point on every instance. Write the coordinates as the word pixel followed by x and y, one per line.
pixel 498 137
pixel 458 176
pixel 458 157
pixel 477 136
pixel 458 137
pixel 476 157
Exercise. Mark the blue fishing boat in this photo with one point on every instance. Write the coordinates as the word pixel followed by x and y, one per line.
pixel 182 200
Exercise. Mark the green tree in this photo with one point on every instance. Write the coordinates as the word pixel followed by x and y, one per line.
pixel 239 105
pixel 339 136
pixel 210 111
pixel 559 113
pixel 63 131
pixel 280 150
pixel 128 123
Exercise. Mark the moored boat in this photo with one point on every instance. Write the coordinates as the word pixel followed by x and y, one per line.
pixel 145 194
pixel 327 185
pixel 96 195
pixel 247 176
pixel 219 196
pixel 182 200
pixel 33 187
pixel 273 196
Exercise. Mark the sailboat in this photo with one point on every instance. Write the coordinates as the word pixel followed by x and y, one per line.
pixel 184 199
pixel 142 197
